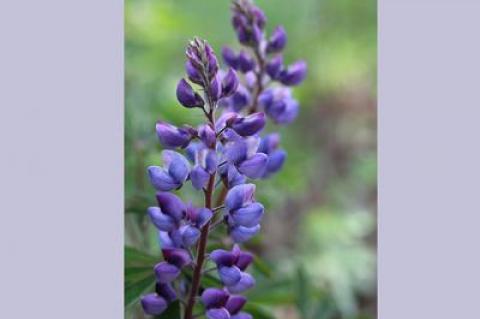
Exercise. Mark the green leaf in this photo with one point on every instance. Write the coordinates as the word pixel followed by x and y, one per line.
pixel 135 257
pixel 172 312
pixel 139 275
pixel 136 289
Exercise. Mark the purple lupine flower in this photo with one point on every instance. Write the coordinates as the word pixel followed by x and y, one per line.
pixel 173 174
pixel 242 152
pixel 153 304
pixel 249 125
pixel 234 139
pixel 234 306
pixel 166 272
pixel 207 135
pixel 293 74
pixel 238 101
pixel 230 57
pixel 214 301
pixel 162 221
pixel 186 96
pixel 205 164
pixel 229 83
pixel 171 205
pixel 230 265
pixel 274 66
pixel 171 136
pixel 245 63
pixel 276 157
pixel 243 214
pixel 279 105
pixel 277 41
pixel 166 291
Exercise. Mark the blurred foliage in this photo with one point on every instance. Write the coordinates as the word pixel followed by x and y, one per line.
pixel 316 253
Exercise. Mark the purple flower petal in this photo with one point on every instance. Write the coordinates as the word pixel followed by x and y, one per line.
pixel 189 235
pixel 170 136
pixel 153 304
pixel 162 221
pixel 239 195
pixel 166 291
pixel 214 298
pixel 294 74
pixel 217 313
pixel 249 125
pixel 254 167
pixel 199 177
pixel 274 66
pixel 242 315
pixel 186 96
pixel 241 234
pixel 176 256
pixel 275 161
pixel 248 216
pixel 171 205
pixel 230 83
pixel 278 40
pixel 161 180
pixel 223 258
pixel 207 135
pixel 235 303
pixel 229 57
pixel 166 272
pixel 177 165
pixel 236 151
pixel 229 275
pixel 246 282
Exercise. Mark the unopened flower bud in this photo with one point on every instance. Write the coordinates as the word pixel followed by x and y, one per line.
pixel 230 83
pixel 186 96
pixel 294 74
pixel 277 41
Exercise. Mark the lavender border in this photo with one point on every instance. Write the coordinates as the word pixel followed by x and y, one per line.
pixel 429 155
pixel 61 163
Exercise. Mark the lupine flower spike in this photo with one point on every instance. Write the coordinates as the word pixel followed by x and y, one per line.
pixel 220 158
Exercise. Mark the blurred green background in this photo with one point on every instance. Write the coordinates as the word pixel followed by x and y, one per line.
pixel 318 243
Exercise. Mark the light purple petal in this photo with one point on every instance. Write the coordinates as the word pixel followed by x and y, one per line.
pixel 161 180
pixel 199 177
pixel 241 234
pixel 166 272
pixel 217 313
pixel 162 221
pixel 229 275
pixel 254 167
pixel 153 304
pixel 246 282
pixel 249 215
pixel 214 298
pixel 239 195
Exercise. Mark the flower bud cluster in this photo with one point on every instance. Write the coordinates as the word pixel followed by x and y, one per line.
pixel 226 151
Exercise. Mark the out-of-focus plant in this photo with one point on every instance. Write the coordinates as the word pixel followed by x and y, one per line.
pixel 220 156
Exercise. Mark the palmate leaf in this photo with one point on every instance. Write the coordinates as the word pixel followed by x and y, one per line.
pixel 139 275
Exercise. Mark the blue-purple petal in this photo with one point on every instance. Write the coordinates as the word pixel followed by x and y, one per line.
pixel 162 221
pixel 241 234
pixel 214 298
pixel 255 166
pixel 246 282
pixel 153 304
pixel 161 180
pixel 249 215
pixel 239 195
pixel 199 177
pixel 166 272
pixel 229 275
pixel 217 313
